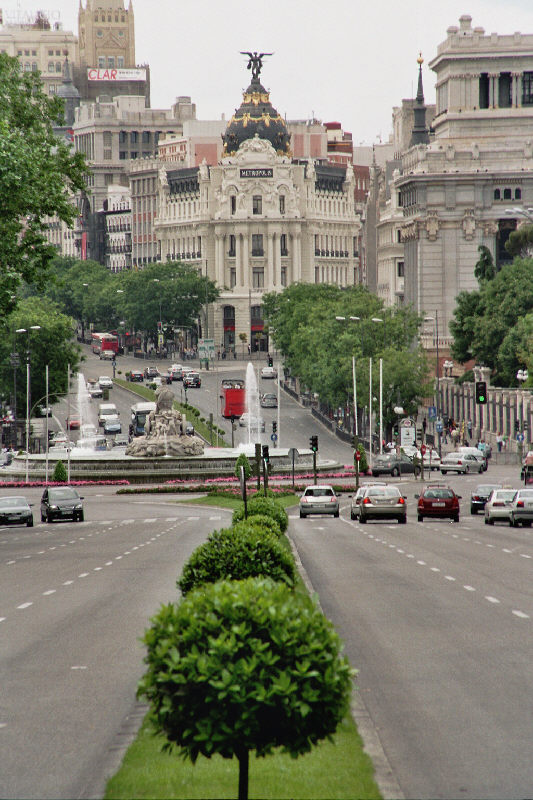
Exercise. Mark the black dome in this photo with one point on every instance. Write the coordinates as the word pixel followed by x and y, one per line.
pixel 256 115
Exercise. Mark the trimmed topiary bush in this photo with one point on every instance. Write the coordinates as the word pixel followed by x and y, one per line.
pixel 60 473
pixel 266 506
pixel 242 461
pixel 238 553
pixel 246 665
pixel 261 522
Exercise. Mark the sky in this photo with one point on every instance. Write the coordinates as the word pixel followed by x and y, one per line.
pixel 348 61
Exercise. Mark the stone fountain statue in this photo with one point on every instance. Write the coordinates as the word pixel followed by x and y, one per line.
pixel 165 432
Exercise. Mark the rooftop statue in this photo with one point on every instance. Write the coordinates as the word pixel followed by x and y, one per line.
pixel 256 61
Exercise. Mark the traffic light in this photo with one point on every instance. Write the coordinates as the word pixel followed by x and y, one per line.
pixel 481 392
pixel 270 361
pixel 313 444
pixel 274 427
pixel 517 425
pixel 159 326
pixel 526 424
pixel 266 454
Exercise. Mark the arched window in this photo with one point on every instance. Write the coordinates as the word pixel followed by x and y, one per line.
pixel 518 194
pixel 497 194
pixel 507 194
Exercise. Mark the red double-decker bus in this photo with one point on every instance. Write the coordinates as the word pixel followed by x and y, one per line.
pixel 232 398
pixel 104 341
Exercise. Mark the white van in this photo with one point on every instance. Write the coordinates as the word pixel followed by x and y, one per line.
pixel 106 410
pixel 139 413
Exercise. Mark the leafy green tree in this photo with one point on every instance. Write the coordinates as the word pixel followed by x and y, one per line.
pixel 60 473
pixel 484 269
pixel 51 345
pixel 242 461
pixel 468 308
pixel 241 666
pixel 38 175
pixel 520 242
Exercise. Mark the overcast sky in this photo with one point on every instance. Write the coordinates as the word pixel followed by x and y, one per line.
pixel 347 61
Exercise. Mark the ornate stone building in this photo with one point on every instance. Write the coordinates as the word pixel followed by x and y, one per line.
pixel 259 220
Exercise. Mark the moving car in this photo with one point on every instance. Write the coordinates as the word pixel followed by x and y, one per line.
pixel 97 443
pixel 61 502
pixel 437 500
pixel 521 508
pixel 269 401
pixel 480 495
pixel 175 369
pixel 356 499
pixel 269 372
pixel 255 423
pixel 474 451
pixel 152 372
pixel 112 425
pixel 15 511
pixel 395 465
pixel 107 355
pixel 106 410
pixel 382 502
pixel 185 371
pixel 461 463
pixel 498 506
pixel 135 376
pixel 73 423
pixel 94 389
pixel 319 500
pixel 192 379
pixel 105 382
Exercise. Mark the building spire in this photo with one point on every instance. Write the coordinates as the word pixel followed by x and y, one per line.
pixel 420 133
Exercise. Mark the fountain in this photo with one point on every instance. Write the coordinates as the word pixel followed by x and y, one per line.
pixel 252 403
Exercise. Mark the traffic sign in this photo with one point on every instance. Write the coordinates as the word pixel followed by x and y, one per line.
pixel 439 426
pixel 432 412
pixel 423 449
pixel 519 437
pixel 357 455
pixel 274 437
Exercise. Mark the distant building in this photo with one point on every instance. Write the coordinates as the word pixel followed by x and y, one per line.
pixel 115 219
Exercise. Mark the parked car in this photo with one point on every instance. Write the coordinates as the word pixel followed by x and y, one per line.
pixel 151 372
pixel 269 372
pixel 107 355
pixel 521 508
pixel 438 501
pixel 498 506
pixel 112 425
pixel 480 495
pixel 319 500
pixel 269 400
pixel 61 502
pixel 15 511
pixel 461 463
pixel 135 376
pixel 431 459
pixel 395 465
pixel 382 502
pixel 254 422
pixel 192 379
pixel 105 382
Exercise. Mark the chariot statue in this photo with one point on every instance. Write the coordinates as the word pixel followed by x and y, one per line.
pixel 165 431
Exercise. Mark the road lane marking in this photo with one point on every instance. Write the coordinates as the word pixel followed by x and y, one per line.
pixel 520 614
pixel 469 588
pixel 49 591
pixel 491 599
pixel 24 605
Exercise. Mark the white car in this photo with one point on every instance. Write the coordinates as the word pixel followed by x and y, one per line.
pixel 431 458
pixel 105 382
pixel 269 372
pixel 461 463
pixel 498 506
pixel 255 423
pixel 107 355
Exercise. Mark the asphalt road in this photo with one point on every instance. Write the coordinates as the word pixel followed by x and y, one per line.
pixel 437 617
pixel 74 600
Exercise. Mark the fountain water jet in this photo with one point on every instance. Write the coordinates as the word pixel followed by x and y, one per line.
pixel 252 401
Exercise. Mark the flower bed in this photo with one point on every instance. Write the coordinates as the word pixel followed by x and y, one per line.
pixel 28 484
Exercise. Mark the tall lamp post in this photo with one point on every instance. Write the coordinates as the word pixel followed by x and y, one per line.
pixel 28 390
pixel 435 320
pixel 521 376
pixel 354 373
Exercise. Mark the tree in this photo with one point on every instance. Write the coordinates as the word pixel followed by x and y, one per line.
pixel 39 174
pixel 240 666
pixel 468 308
pixel 242 461
pixel 520 242
pixel 484 269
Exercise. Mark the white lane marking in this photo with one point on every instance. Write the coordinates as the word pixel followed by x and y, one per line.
pixel 401 551
pixel 2 619
pixel 117 558
pixel 193 519
pixel 422 563
pixel 520 614
pixel 469 588
pixel 491 599
pixel 435 569
pixel 449 577
pixel 50 591
pixel 25 605
pixel 68 583
pixel 151 519
pixel 127 521
pixel 108 563
pixel 211 518
pixel 83 574
pixel 524 555
pixel 78 666
pixel 97 569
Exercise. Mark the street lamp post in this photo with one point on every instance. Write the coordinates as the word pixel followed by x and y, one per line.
pixel 28 390
pixel 522 212
pixel 522 375
pixel 435 319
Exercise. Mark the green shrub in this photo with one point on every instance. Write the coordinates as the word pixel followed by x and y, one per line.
pixel 263 505
pixel 60 473
pixel 261 522
pixel 240 666
pixel 236 554
pixel 242 461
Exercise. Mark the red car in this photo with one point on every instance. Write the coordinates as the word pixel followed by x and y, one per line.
pixel 73 423
pixel 438 500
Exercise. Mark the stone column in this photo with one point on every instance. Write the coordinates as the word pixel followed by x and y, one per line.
pixel 238 260
pixel 270 276
pixel 245 253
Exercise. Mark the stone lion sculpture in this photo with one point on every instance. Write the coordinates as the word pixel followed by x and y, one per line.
pixel 165 431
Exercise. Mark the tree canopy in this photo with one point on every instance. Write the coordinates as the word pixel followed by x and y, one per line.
pixel 39 174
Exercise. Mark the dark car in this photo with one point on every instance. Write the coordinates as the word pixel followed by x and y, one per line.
pixel 61 502
pixel 269 400
pixel 152 372
pixel 438 501
pixel 192 379
pixel 15 511
pixel 395 465
pixel 480 495
pixel 136 376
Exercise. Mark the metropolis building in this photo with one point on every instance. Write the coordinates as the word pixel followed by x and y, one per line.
pixel 258 221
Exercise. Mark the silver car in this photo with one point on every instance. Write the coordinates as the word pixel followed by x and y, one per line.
pixel 498 506
pixel 460 463
pixel 319 500
pixel 383 502
pixel 521 508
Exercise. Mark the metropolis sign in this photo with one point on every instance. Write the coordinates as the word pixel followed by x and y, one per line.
pixel 265 172
pixel 94 74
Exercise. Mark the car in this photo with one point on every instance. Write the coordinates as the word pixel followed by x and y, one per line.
pixel 356 499
pixel 474 451
pixel 394 465
pixel 94 389
pixel 121 440
pixel 269 372
pixel 462 463
pixel 97 442
pixel 112 425
pixel 106 410
pixel 73 423
pixel 189 429
pixel 175 370
pixel 498 506
pixel 410 450
pixel 521 508
pixel 185 371
pixel 480 495
pixel 15 511
pixel 152 372
pixel 431 459
pixel 61 502
pixel 192 379
pixel 44 411
pixel 105 382
pixel 58 438
pixel 438 501
pixel 249 420
pixel 319 500
pixel 107 355
pixel 382 502
pixel 268 401
pixel 135 376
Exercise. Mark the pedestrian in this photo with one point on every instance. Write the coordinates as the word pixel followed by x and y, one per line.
pixel 499 442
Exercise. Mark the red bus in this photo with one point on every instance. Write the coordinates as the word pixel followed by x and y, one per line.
pixel 104 341
pixel 232 398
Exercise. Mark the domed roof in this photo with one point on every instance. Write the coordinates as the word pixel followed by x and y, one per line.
pixel 256 115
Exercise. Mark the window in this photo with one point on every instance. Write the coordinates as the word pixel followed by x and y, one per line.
pixel 101 62
pixel 51 66
pixel 108 154
pixel 283 244
pixel 505 84
pixel 123 137
pixel 134 154
pixel 400 269
pixel 99 34
pixel 233 202
pixel 120 62
pixel 284 276
pixel 527 89
pixel 50 52
pixel 506 194
pixel 107 138
pixel 518 194
pixel 282 204
pixel 111 62
pixel 231 246
pixel 146 137
pixel 497 194
pixel 257 244
pixel 484 90
pixel 257 204
pixel 58 66
pixel 232 278
pixel 134 137
pixel 108 178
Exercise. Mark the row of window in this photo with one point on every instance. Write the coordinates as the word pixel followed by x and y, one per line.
pixel 258 279
pixel 507 194
pixel 109 62
pixel 257 245
pixel 257 204
pixel 102 18
pixel 124 155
